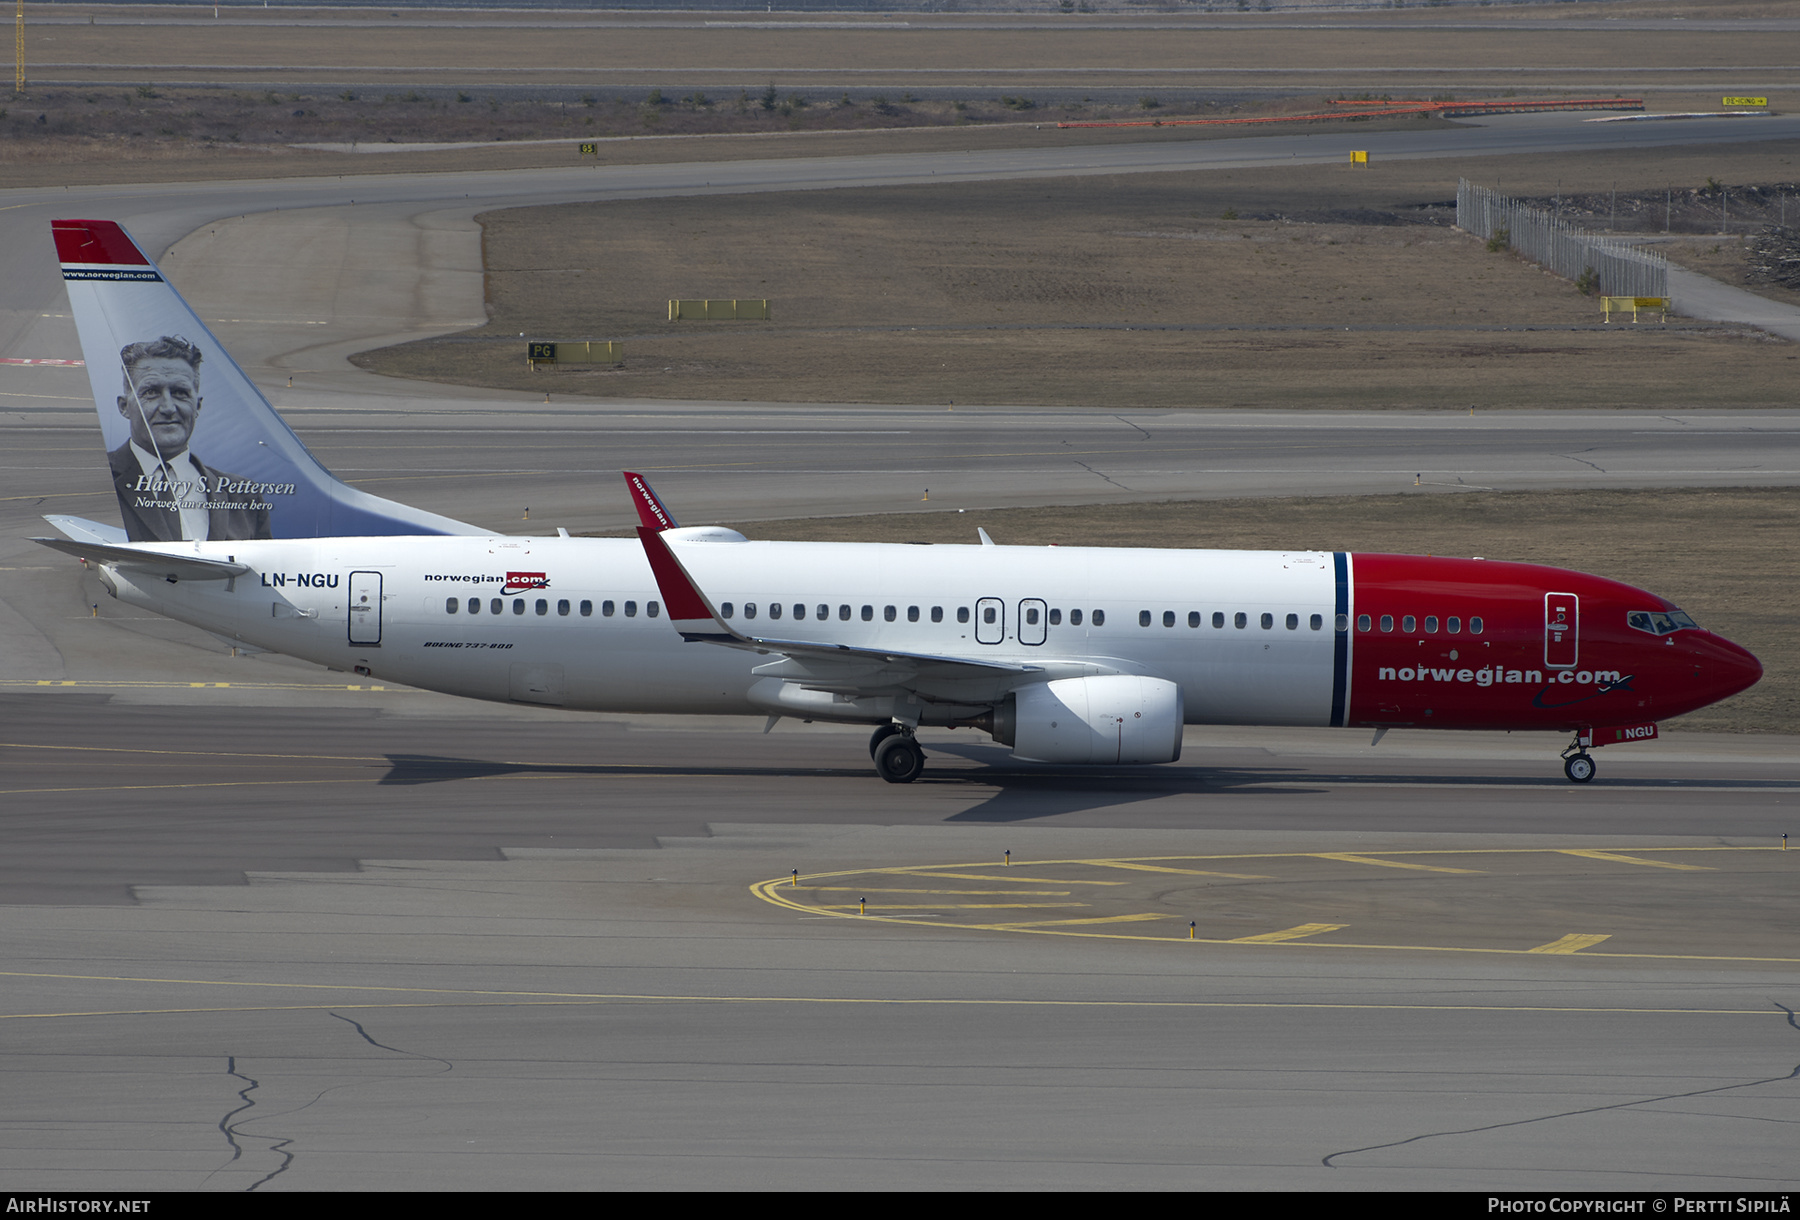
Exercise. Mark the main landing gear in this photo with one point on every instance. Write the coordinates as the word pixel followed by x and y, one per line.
pixel 1578 764
pixel 898 758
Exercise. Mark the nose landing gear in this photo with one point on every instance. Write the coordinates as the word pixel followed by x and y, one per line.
pixel 1578 764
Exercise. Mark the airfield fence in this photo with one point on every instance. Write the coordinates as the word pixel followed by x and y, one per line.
pixel 1620 269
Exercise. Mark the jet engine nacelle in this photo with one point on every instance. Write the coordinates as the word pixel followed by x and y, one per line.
pixel 1115 719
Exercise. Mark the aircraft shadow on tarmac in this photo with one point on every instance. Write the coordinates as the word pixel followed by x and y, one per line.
pixel 1019 791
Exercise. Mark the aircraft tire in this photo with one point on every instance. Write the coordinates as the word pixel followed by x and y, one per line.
pixel 1579 768
pixel 880 735
pixel 899 760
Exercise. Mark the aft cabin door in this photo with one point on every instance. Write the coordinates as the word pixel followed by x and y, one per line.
pixel 1562 630
pixel 365 609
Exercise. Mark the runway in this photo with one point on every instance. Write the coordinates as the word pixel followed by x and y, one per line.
pixel 272 929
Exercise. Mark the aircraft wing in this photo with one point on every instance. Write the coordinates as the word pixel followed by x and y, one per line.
pixel 836 667
pixel 171 568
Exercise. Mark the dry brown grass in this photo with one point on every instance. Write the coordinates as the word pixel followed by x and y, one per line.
pixel 1128 291
pixel 1727 557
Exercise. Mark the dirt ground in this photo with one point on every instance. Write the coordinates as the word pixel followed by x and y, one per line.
pixel 1727 557
pixel 1328 287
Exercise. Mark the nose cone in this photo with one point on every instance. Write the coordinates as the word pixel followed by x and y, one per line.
pixel 1726 668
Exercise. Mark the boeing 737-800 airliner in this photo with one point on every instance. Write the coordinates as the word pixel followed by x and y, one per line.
pixel 1070 655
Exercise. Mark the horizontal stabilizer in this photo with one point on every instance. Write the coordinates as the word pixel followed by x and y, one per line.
pixel 83 530
pixel 155 563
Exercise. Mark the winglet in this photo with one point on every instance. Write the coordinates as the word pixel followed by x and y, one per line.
pixel 689 611
pixel 651 513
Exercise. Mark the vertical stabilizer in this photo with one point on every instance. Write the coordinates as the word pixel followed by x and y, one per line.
pixel 196 451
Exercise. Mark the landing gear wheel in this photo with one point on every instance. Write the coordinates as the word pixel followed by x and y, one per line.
pixel 880 735
pixel 899 760
pixel 1579 768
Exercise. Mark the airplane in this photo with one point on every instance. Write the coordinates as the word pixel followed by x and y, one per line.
pixel 1067 655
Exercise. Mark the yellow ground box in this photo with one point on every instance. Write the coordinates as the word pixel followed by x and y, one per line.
pixel 1612 305
pixel 580 352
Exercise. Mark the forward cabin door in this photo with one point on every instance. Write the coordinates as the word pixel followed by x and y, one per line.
pixel 365 609
pixel 1562 630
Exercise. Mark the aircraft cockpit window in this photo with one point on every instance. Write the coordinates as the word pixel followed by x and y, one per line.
pixel 1659 622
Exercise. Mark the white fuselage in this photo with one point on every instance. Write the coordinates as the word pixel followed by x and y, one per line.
pixel 576 622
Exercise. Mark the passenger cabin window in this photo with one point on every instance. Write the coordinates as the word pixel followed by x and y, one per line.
pixel 824 612
pixel 1143 618
pixel 962 614
pixel 843 614
pixel 1218 618
pixel 562 608
pixel 1056 618
pixel 1268 621
pixel 518 605
pixel 606 609
pixel 1193 618
pixel 631 610
pixel 1293 622
pixel 799 611
pixel 1362 622
pixel 1475 626
pixel 587 608
pixel 1409 624
pixel 774 609
pixel 868 614
pixel 1453 625
pixel 1387 622
pixel 1239 620
pixel 496 606
pixel 1031 616
pixel 474 605
pixel 543 606
pixel 1099 618
pixel 937 614
pixel 749 609
pixel 450 606
pixel 726 610
pixel 1431 624
pixel 1074 618
pixel 889 614
pixel 1318 621
pixel 912 614
pixel 1168 618
pixel 989 614
pixel 652 609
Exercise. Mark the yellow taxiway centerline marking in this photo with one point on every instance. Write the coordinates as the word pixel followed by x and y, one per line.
pixel 1592 853
pixel 1186 872
pixel 1294 933
pixel 908 872
pixel 1349 857
pixel 1574 942
pixel 1057 923
pixel 943 906
pixel 863 889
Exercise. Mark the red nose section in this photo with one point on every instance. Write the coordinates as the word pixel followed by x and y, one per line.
pixel 1733 668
